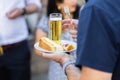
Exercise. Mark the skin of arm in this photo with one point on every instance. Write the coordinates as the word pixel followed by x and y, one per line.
pixel 39 33
pixel 16 12
pixel 73 72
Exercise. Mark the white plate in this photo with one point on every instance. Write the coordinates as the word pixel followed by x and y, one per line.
pixel 36 45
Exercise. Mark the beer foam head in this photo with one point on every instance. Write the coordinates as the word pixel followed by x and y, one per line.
pixel 55 19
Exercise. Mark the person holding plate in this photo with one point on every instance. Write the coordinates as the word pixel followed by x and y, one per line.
pixel 56 6
pixel 98 50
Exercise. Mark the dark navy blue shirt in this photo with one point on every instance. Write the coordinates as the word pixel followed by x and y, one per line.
pixel 99 36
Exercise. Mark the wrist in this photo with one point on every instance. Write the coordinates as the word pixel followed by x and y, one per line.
pixel 67 64
pixel 23 11
pixel 66 58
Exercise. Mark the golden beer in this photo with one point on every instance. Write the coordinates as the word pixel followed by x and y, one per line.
pixel 56 28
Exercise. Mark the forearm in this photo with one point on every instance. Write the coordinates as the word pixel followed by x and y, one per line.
pixel 39 34
pixel 31 8
pixel 93 74
pixel 73 73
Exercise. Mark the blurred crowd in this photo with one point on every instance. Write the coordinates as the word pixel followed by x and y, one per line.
pixel 93 26
pixel 22 24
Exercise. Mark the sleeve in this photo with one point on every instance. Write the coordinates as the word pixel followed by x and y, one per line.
pixel 43 24
pixel 37 2
pixel 96 45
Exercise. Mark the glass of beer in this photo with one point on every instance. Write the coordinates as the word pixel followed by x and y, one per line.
pixel 55 27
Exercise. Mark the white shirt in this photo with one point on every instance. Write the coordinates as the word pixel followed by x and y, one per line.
pixel 13 30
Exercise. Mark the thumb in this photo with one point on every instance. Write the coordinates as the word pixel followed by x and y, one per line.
pixel 48 55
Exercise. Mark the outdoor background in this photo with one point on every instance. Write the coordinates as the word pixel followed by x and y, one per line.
pixel 39 66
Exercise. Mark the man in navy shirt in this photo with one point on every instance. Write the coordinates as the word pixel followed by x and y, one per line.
pixel 98 49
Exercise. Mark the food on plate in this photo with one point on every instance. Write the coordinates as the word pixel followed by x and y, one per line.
pixel 68 47
pixel 49 45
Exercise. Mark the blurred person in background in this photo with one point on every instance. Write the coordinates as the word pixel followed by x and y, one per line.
pixel 14 50
pixel 57 6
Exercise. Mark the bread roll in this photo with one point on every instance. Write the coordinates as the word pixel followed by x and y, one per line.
pixel 49 45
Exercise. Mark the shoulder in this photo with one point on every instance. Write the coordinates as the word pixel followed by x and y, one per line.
pixel 93 4
pixel 44 18
pixel 43 21
pixel 105 6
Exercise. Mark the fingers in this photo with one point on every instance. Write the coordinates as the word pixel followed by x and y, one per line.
pixel 52 56
pixel 73 33
pixel 48 55
pixel 14 13
pixel 11 14
pixel 69 24
pixel 74 36
pixel 66 21
pixel 66 25
pixel 58 57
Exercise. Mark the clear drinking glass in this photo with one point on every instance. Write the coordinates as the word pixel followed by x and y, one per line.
pixel 55 27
